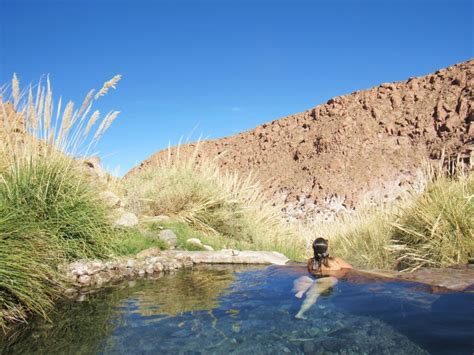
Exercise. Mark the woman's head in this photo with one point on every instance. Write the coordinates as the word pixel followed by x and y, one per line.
pixel 320 247
pixel 321 255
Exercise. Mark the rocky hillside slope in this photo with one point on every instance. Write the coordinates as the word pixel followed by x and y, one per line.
pixel 366 147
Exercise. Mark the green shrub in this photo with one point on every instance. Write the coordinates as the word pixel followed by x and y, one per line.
pixel 437 228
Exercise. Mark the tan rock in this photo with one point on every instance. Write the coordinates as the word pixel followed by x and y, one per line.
pixel 110 199
pixel 232 257
pixel 126 219
pixel 149 252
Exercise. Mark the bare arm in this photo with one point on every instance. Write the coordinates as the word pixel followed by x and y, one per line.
pixel 343 264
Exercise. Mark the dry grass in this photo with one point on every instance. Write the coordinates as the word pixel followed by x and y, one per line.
pixel 434 228
pixel 231 210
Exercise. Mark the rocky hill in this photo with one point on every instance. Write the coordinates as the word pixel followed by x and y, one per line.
pixel 365 147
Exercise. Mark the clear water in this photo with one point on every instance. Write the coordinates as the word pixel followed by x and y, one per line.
pixel 222 310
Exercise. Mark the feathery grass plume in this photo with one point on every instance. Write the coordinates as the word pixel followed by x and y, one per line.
pixel 107 85
pixel 15 90
pixel 111 119
pixel 92 120
pixel 31 112
pixel 66 121
pixel 48 106
pixel 86 104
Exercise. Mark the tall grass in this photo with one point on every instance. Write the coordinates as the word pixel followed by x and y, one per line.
pixel 437 228
pixel 362 238
pixel 49 210
pixel 434 228
pixel 230 208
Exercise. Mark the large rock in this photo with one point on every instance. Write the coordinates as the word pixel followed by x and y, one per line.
pixel 169 237
pixel 111 199
pixel 195 242
pixel 459 278
pixel 94 168
pixel 126 219
pixel 228 256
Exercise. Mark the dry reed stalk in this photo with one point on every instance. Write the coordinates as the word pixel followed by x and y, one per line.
pixel 107 85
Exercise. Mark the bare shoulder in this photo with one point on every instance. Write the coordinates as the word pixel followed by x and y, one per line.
pixel 342 263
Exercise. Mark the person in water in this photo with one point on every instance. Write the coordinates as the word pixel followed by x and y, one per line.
pixel 321 263
pixel 326 268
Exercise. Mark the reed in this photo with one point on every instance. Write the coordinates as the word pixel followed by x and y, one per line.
pixel 49 210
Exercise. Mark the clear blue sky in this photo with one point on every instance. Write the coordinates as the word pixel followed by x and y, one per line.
pixel 214 68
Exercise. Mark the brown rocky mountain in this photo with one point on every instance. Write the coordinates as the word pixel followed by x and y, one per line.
pixel 364 147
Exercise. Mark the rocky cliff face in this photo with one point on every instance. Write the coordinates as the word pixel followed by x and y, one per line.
pixel 366 147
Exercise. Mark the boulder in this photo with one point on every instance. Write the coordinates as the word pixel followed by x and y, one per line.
pixel 194 242
pixel 168 236
pixel 126 219
pixel 228 256
pixel 93 167
pixel 111 199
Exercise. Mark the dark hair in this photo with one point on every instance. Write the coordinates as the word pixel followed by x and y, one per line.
pixel 320 250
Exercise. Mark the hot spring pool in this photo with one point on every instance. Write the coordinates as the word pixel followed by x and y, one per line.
pixel 245 310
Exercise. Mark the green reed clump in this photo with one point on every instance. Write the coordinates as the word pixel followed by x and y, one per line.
pixel 28 278
pixel 437 228
pixel 53 197
pixel 49 210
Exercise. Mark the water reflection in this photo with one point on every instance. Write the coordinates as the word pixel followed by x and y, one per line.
pixel 81 327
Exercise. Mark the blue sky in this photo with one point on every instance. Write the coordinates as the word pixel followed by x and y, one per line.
pixel 218 67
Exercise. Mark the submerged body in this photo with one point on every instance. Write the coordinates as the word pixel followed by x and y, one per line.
pixel 326 268
pixel 313 289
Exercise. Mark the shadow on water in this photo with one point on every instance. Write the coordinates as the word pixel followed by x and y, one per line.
pixel 241 310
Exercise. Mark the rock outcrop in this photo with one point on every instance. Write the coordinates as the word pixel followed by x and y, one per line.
pixel 366 147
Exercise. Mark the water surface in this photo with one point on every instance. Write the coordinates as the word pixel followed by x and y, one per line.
pixel 246 310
